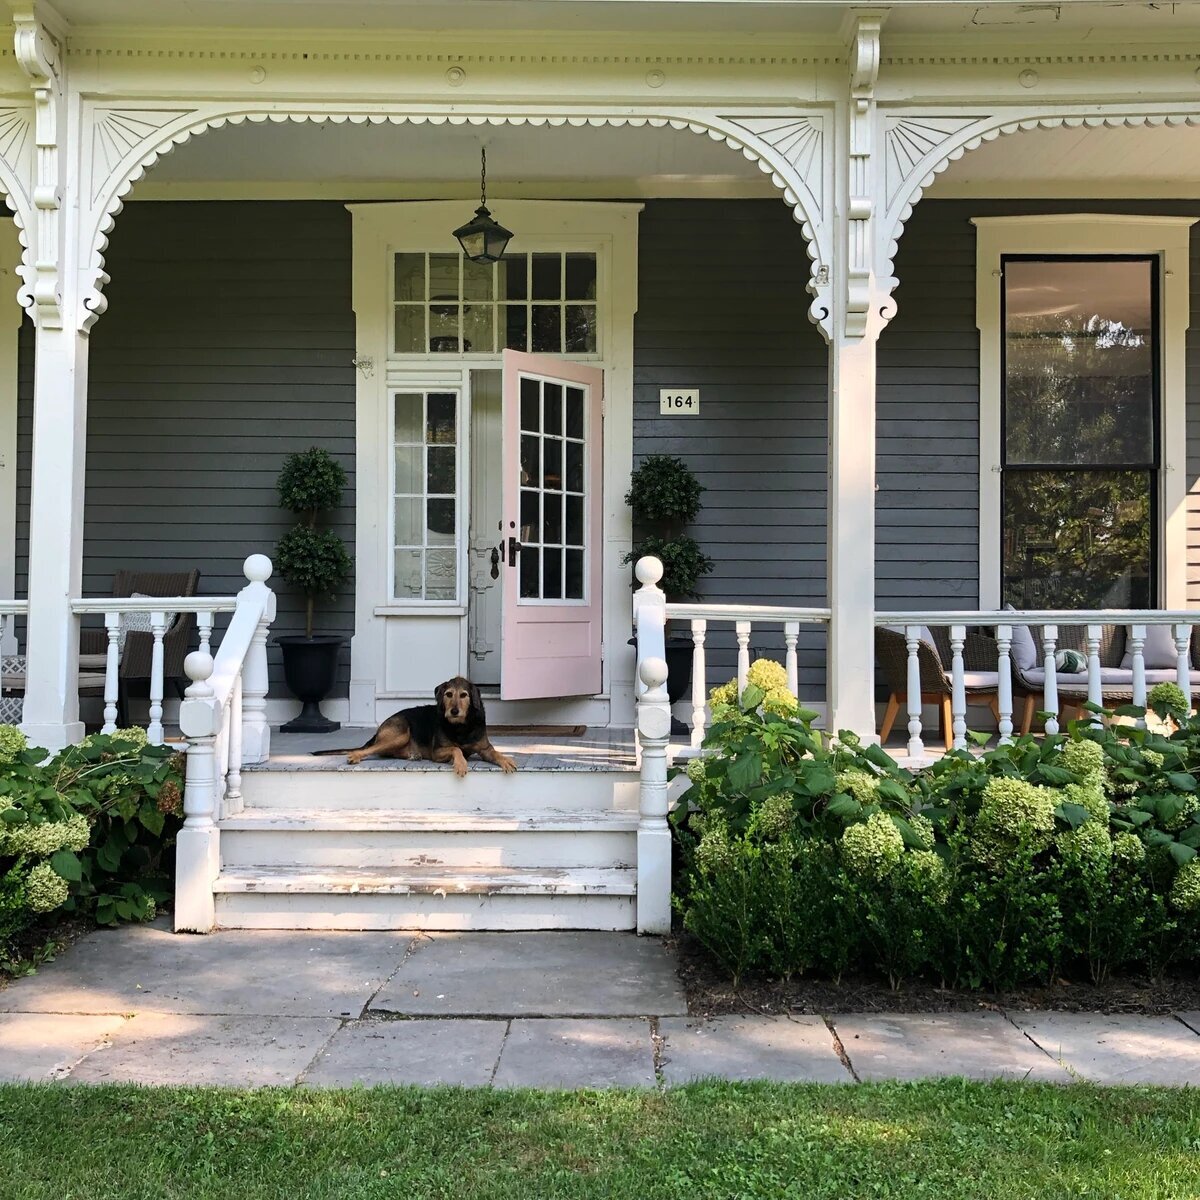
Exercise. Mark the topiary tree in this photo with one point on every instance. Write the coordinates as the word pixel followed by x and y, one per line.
pixel 664 495
pixel 314 560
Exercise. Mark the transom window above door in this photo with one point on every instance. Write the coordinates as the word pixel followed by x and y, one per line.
pixel 1080 432
pixel 543 302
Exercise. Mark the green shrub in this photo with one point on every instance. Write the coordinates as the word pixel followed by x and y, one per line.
pixel 1071 854
pixel 88 829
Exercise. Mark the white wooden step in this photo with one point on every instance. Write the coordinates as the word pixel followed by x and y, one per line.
pixel 357 788
pixel 435 898
pixel 401 838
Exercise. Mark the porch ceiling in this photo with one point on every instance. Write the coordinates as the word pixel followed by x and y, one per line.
pixel 1157 161
pixel 405 161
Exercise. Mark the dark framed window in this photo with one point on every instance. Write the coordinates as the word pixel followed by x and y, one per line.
pixel 1080 431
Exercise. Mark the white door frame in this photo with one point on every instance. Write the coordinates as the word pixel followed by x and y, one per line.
pixel 608 229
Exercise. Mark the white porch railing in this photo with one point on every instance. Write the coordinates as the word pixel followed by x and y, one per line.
pixel 223 717
pixel 651 613
pixel 1052 685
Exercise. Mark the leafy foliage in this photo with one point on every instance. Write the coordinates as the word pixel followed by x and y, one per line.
pixel 682 559
pixel 1073 854
pixel 663 488
pixel 87 829
pixel 317 562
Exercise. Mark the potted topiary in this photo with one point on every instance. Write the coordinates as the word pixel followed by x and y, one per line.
pixel 317 562
pixel 664 495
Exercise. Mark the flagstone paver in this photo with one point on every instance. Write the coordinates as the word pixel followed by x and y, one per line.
pixel 577 1053
pixel 1117 1049
pixel 795 1049
pixel 41 1046
pixel 585 974
pixel 462 1053
pixel 910 1046
pixel 147 968
pixel 193 1050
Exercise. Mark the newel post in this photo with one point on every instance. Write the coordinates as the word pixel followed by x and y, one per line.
pixel 653 834
pixel 197 849
pixel 256 733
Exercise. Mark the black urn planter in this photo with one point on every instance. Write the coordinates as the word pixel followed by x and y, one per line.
pixel 310 669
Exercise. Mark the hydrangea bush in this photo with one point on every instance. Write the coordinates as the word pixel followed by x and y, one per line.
pixel 1070 855
pixel 86 829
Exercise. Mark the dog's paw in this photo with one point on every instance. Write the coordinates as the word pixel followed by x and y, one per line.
pixel 460 768
pixel 354 759
pixel 507 765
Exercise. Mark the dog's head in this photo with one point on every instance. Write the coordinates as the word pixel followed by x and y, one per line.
pixel 457 700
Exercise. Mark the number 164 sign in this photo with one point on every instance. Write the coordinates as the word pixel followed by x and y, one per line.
pixel 679 402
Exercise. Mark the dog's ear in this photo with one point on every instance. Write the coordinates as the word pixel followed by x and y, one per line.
pixel 438 693
pixel 476 702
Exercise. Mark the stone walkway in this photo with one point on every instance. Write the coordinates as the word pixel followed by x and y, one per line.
pixel 554 1010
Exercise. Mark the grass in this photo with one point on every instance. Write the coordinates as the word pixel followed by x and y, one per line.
pixel 945 1139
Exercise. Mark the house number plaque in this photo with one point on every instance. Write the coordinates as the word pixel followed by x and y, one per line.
pixel 679 402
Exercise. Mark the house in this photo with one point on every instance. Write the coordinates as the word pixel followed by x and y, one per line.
pixel 922 274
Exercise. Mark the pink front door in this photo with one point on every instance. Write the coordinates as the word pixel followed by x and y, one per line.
pixel 553 432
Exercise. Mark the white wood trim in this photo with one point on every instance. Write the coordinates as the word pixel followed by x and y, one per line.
pixel 610 229
pixel 1087 233
pixel 10 328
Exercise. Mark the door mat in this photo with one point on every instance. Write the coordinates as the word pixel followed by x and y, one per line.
pixel 540 730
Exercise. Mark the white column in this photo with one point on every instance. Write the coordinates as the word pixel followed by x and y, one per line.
pixel 11 315
pixel 851 535
pixel 256 733
pixel 51 713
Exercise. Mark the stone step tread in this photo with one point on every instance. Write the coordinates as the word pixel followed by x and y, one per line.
pixel 431 820
pixel 516 881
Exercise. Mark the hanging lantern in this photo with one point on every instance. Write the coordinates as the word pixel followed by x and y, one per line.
pixel 483 239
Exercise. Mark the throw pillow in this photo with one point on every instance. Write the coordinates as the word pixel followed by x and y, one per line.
pixel 1158 651
pixel 1024 649
pixel 138 622
pixel 1070 662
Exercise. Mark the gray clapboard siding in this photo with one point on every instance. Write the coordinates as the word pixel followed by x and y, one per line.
pixel 733 322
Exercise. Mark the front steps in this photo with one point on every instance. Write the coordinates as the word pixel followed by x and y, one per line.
pixel 398 846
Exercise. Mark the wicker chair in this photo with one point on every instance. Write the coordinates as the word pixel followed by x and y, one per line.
pixel 980 655
pixel 138 652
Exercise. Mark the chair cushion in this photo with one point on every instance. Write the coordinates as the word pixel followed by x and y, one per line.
pixel 1158 653
pixel 1024 649
pixel 139 622
pixel 982 681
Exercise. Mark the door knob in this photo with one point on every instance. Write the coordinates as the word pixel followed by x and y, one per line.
pixel 514 548
pixel 495 562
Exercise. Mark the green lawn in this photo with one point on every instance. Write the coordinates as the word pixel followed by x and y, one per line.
pixel 944 1140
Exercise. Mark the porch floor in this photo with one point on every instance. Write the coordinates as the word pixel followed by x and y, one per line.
pixel 596 749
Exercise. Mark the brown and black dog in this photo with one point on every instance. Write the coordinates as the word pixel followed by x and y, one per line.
pixel 450 729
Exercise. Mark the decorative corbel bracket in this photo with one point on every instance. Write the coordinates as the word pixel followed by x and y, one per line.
pixel 864 29
pixel 37 44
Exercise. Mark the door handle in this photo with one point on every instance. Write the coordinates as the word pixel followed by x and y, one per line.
pixel 514 548
pixel 495 562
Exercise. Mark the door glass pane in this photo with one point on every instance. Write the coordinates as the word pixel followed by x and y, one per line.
pixel 574 401
pixel 477 329
pixel 441 425
pixel 440 523
pixel 581 329
pixel 530 502
pixel 531 407
pixel 574 521
pixel 409 408
pixel 440 479
pixel 547 276
pixel 409 574
pixel 1079 344
pixel 581 277
pixel 574 466
pixel 408 521
pixel 477 280
pixel 531 463
pixel 547 329
pixel 513 283
pixel 410 329
pixel 552 464
pixel 443 277
pixel 410 277
pixel 529 560
pixel 574 585
pixel 1077 539
pixel 440 575
pixel 552 407
pixel 552 574
pixel 552 525
pixel 409 463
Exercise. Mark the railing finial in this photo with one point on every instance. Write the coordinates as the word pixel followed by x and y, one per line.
pixel 257 568
pixel 198 667
pixel 649 570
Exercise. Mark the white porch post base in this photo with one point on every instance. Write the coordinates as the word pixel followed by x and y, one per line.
pixel 197 865
pixel 50 716
pixel 851 654
pixel 654 879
